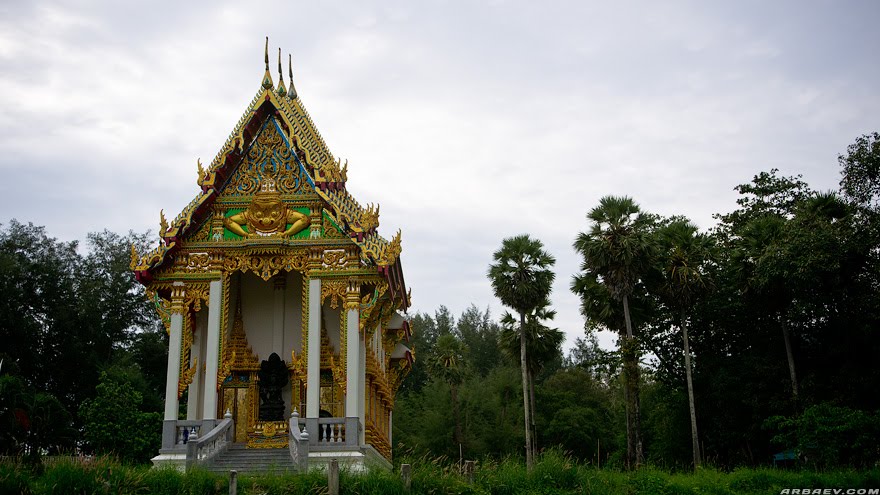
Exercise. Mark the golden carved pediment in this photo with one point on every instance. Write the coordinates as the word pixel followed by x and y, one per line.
pixel 270 157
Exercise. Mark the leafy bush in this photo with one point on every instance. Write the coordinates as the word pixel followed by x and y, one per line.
pixel 827 436
pixel 114 423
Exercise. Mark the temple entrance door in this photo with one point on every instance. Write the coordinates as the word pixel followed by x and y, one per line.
pixel 236 401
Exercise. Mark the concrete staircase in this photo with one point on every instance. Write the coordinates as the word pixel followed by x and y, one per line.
pixel 252 460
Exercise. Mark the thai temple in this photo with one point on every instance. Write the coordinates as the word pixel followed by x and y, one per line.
pixel 283 304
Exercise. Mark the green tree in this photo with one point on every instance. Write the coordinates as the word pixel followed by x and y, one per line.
pixel 424 335
pixel 479 334
pixel 683 256
pixel 830 436
pixel 543 344
pixel 581 420
pixel 113 422
pixel 521 278
pixel 617 252
pixel 860 170
pixel 447 364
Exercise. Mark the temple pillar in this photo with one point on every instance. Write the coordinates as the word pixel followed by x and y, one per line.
pixel 197 359
pixel 175 332
pixel 174 343
pixel 352 337
pixel 313 380
pixel 212 350
pixel 362 383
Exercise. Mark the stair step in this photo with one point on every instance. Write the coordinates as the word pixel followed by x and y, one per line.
pixel 245 460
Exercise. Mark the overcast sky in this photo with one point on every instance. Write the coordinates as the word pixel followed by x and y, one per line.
pixel 468 122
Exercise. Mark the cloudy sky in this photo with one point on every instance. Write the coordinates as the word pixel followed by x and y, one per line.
pixel 468 122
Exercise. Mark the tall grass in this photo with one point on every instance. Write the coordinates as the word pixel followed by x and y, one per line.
pixel 554 473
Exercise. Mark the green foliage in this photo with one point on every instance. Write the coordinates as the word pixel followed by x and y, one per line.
pixel 860 168
pixel 826 436
pixel 68 478
pixel 60 310
pixel 577 415
pixel 521 275
pixel 114 423
pixel 31 421
pixel 543 344
pixel 166 479
pixel 14 479
pixel 617 248
pixel 555 473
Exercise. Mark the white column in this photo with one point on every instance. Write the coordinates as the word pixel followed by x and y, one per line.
pixel 362 381
pixel 313 381
pixel 174 343
pixel 353 389
pixel 212 349
pixel 196 358
pixel 278 317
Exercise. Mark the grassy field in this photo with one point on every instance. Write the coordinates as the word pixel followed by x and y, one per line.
pixel 553 474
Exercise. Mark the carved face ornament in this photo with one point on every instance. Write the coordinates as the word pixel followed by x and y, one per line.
pixel 266 214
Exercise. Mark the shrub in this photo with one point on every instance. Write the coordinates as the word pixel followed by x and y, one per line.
pixel 828 436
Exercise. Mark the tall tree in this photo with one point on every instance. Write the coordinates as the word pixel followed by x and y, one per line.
pixel 447 363
pixel 542 345
pixel 479 334
pixel 521 278
pixel 683 256
pixel 619 251
pixel 755 235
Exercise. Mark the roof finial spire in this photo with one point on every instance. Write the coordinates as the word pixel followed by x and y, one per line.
pixel 282 91
pixel 292 91
pixel 267 77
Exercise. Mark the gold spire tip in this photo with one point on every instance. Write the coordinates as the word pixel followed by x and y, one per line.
pixel 280 72
pixel 267 76
pixel 267 53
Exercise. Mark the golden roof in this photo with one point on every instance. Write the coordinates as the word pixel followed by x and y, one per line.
pixel 326 176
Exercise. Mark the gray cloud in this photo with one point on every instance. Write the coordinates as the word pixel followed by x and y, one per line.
pixel 468 122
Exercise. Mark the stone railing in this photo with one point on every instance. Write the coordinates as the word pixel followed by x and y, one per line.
pixel 185 428
pixel 331 432
pixel 298 443
pixel 201 450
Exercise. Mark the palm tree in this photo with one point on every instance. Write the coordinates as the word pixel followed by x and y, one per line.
pixel 542 344
pixel 447 363
pixel 521 277
pixel 619 251
pixel 683 257
pixel 762 271
pixel 783 261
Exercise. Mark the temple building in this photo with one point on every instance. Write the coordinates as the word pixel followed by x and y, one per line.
pixel 284 306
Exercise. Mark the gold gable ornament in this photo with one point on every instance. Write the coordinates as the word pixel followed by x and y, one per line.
pixel 267 216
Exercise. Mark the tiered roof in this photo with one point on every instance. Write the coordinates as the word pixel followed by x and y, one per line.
pixel 326 176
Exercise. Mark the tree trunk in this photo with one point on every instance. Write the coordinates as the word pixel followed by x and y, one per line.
pixel 637 411
pixel 630 444
pixel 635 455
pixel 790 355
pixel 453 390
pixel 690 387
pixel 525 384
pixel 626 318
pixel 534 411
